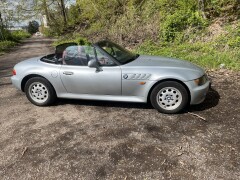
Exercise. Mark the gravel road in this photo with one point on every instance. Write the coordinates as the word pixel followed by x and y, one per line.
pixel 77 139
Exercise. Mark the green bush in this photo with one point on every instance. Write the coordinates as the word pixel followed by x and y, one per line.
pixel 14 35
pixel 176 23
pixel 9 39
pixel 19 35
pixel 72 38
pixel 6 45
pixel 6 35
pixel 48 32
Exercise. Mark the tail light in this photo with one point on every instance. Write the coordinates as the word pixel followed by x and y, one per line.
pixel 14 72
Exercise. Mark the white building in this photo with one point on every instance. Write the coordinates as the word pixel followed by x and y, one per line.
pixel 44 20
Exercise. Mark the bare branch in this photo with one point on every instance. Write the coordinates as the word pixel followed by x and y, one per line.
pixel 196 115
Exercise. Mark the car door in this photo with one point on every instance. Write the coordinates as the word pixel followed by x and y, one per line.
pixel 78 78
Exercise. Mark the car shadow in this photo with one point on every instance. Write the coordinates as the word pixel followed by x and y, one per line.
pixel 104 103
pixel 211 101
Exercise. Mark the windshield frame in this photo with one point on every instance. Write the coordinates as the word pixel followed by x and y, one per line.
pixel 129 56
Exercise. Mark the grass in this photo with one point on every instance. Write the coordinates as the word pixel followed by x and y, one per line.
pixel 207 55
pixel 12 39
pixel 222 51
pixel 210 55
pixel 20 35
pixel 4 45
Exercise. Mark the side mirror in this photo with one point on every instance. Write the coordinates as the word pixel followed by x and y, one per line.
pixel 94 64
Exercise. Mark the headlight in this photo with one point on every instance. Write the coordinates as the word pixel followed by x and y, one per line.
pixel 202 80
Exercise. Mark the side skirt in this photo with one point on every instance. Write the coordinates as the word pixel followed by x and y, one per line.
pixel 103 97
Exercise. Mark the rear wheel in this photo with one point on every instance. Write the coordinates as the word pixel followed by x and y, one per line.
pixel 39 91
pixel 169 97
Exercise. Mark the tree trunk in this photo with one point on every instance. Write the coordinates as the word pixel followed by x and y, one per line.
pixel 1 21
pixel 63 12
pixel 45 7
pixel 1 27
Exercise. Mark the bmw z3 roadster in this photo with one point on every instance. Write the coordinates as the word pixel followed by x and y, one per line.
pixel 106 71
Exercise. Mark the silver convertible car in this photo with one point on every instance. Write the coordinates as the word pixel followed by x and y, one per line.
pixel 106 71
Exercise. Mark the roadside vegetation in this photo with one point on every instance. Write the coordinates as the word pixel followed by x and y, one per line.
pixel 212 52
pixel 4 45
pixel 8 18
pixel 206 32
pixel 10 39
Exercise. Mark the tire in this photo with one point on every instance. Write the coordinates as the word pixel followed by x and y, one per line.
pixel 169 97
pixel 40 92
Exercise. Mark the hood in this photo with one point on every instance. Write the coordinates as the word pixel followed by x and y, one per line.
pixel 163 62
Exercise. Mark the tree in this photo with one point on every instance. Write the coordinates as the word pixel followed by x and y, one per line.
pixel 63 12
pixel 45 7
pixel 54 11
pixel 1 27
pixel 33 27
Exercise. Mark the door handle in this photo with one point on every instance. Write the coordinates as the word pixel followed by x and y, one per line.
pixel 68 73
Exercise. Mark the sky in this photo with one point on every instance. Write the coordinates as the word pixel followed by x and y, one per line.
pixel 11 5
pixel 70 2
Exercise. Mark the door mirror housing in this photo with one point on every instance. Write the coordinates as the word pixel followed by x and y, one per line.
pixel 94 64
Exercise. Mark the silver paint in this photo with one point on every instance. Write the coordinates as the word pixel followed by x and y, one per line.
pixel 115 83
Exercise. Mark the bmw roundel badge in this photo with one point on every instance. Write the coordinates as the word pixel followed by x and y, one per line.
pixel 125 76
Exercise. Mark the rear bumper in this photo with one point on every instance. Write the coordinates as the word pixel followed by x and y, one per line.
pixel 16 82
pixel 198 93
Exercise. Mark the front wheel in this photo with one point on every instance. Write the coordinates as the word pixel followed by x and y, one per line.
pixel 39 91
pixel 169 97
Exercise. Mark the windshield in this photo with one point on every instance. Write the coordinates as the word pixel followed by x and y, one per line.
pixel 77 55
pixel 60 48
pixel 122 55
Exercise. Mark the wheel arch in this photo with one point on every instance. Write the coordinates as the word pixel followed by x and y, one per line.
pixel 26 78
pixel 170 79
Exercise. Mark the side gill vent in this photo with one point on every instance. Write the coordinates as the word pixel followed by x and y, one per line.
pixel 136 76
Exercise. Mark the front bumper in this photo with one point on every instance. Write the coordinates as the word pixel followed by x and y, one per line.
pixel 198 93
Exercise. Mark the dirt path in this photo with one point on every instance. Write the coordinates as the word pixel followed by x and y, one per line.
pixel 107 140
pixel 29 48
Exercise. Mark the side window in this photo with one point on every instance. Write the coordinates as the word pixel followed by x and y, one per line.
pixel 104 60
pixel 78 55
